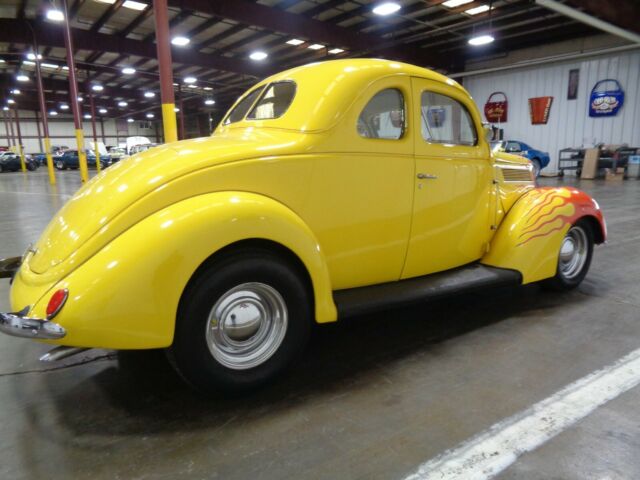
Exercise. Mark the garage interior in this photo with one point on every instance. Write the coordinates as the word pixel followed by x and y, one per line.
pixel 401 393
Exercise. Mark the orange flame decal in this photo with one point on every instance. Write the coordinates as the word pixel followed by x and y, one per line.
pixel 551 211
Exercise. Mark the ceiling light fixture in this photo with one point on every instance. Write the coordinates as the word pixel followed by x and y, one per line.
pixel 87 116
pixel 477 10
pixel 190 80
pixel 32 56
pixel 122 104
pixel 176 109
pixel 335 51
pixel 130 120
pixel 208 88
pixel 22 78
pixel 192 86
pixel 11 101
pixel 128 70
pixel 80 99
pixel 150 115
pixel 103 110
pixel 149 94
pixel 257 56
pixel 15 91
pixel 481 40
pixel 64 107
pixel 55 15
pixel 49 65
pixel 5 108
pixel 134 5
pixel 180 41
pixel 386 8
pixel 97 88
pixel 53 113
pixel 295 42
pixel 315 46
pixel 455 3
pixel 209 101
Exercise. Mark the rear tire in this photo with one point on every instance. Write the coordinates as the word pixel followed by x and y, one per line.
pixel 574 257
pixel 241 322
pixel 60 165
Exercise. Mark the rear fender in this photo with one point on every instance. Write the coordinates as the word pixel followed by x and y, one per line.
pixel 528 239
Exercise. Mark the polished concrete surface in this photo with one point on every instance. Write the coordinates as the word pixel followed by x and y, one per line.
pixel 371 399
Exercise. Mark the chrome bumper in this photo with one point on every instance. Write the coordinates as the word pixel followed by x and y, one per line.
pixel 9 266
pixel 18 326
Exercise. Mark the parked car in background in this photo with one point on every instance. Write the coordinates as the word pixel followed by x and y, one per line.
pixel 56 151
pixel 69 159
pixel 117 154
pixel 10 162
pixel 539 159
pixel 142 148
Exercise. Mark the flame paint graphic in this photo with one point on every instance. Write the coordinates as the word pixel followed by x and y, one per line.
pixel 551 211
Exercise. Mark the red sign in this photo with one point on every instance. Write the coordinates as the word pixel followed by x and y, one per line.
pixel 495 110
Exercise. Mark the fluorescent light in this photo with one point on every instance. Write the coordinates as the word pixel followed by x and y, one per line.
pixel 295 42
pixel 97 88
pixel 150 115
pixel 480 40
pixel 55 15
pixel 22 78
pixel 149 94
pixel 2 60
pixel 190 80
pixel 477 10
pixel 122 104
pixel 103 110
pixel 64 67
pixel 5 108
pixel 180 41
pixel 134 5
pixel 110 2
pixel 64 107
pixel 128 70
pixel 176 109
pixel 315 46
pixel 258 56
pixel 27 62
pixel 11 101
pixel 80 99
pixel 15 91
pixel 50 65
pixel 455 3
pixel 53 113
pixel 386 8
pixel 192 86
pixel 335 51
pixel 209 101
pixel 130 120
pixel 87 116
pixel 208 88
pixel 32 56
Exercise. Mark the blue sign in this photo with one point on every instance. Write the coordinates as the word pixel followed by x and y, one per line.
pixel 605 102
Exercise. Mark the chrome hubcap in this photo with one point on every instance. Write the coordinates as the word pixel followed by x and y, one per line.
pixel 573 252
pixel 246 325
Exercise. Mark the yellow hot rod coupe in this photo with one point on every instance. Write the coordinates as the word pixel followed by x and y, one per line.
pixel 328 190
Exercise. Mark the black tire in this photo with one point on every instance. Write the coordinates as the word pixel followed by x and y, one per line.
pixel 562 282
pixel 190 353
pixel 536 167
pixel 60 165
pixel 32 167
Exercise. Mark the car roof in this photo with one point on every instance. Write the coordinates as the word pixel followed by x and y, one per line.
pixel 322 88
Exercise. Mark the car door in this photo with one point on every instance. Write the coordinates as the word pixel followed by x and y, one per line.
pixel 451 223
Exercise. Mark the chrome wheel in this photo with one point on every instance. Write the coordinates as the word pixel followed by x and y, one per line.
pixel 246 326
pixel 574 252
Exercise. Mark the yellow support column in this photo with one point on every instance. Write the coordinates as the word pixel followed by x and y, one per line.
pixel 82 155
pixel 47 152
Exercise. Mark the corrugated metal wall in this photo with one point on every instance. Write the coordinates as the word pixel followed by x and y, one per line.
pixel 569 123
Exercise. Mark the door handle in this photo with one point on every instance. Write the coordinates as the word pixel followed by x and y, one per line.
pixel 426 176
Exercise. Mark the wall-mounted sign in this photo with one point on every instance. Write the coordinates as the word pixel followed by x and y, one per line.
pixel 574 80
pixel 539 108
pixel 606 98
pixel 495 110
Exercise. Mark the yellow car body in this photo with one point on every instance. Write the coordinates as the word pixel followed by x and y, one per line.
pixel 352 211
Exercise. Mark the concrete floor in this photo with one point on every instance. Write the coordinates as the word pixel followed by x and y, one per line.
pixel 371 399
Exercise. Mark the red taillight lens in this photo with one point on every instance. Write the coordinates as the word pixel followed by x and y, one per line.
pixel 56 302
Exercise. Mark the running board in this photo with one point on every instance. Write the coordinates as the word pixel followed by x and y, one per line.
pixel 357 301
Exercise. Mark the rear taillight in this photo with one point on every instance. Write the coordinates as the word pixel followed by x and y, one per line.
pixel 56 302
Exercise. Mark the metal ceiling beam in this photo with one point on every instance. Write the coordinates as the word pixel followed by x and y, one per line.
pixel 104 18
pixel 623 13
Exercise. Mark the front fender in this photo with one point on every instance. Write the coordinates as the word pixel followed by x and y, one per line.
pixel 126 295
pixel 528 239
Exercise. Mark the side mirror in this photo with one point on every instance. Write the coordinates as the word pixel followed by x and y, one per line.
pixel 488 131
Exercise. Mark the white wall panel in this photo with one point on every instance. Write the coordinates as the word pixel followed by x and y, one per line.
pixel 569 123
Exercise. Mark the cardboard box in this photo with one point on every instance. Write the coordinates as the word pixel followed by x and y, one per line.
pixel 614 176
pixel 590 163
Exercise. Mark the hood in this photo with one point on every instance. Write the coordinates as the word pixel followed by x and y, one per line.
pixel 94 207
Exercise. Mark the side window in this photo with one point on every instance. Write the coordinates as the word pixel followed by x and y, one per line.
pixel 513 147
pixel 242 107
pixel 383 117
pixel 445 120
pixel 274 102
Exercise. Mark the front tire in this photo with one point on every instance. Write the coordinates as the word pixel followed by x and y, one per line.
pixel 241 321
pixel 60 165
pixel 574 258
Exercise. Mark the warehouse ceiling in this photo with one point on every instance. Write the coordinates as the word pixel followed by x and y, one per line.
pixel 110 35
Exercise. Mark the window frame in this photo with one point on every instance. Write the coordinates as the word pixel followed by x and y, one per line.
pixel 403 128
pixel 465 108
pixel 261 96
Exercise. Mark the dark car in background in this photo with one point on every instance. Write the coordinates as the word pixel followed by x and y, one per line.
pixel 69 159
pixel 10 162
pixel 539 159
